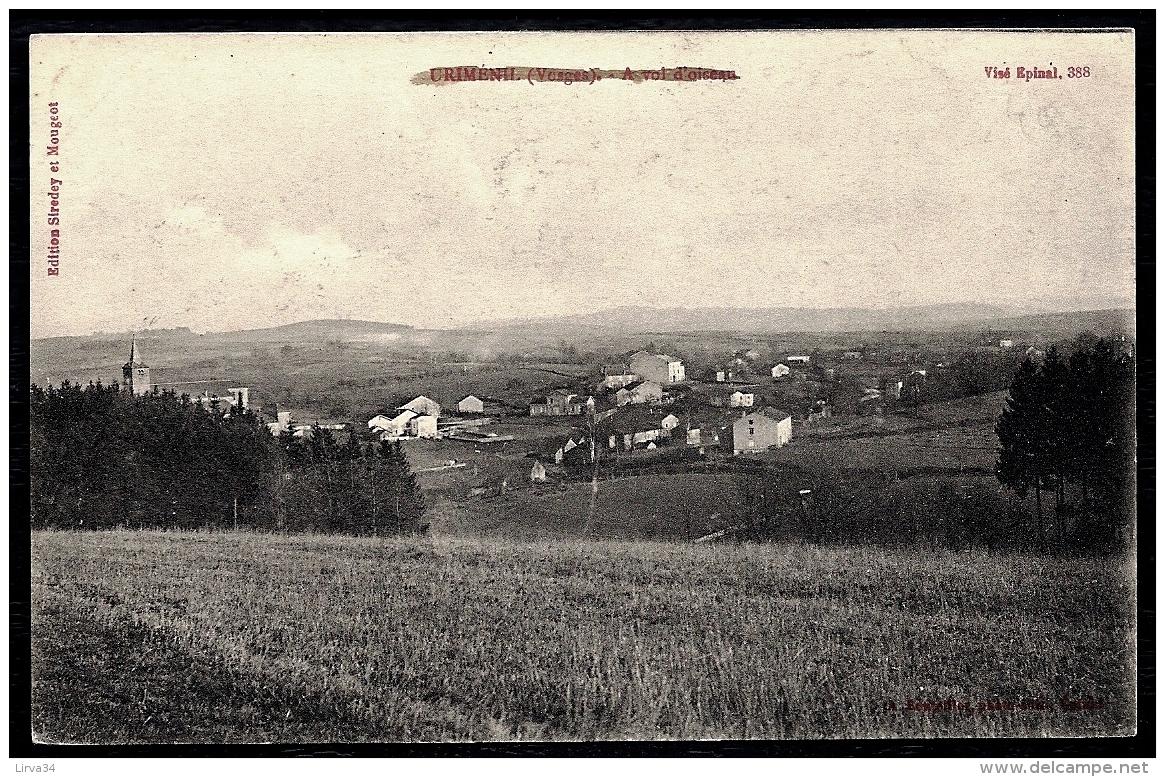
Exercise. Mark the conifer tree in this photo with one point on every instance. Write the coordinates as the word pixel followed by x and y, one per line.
pixel 1021 452
pixel 403 494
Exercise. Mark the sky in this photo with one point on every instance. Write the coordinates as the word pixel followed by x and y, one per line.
pixel 224 182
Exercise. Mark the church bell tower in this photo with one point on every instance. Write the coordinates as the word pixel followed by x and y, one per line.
pixel 135 373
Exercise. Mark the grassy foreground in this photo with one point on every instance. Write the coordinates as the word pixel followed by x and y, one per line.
pixel 168 637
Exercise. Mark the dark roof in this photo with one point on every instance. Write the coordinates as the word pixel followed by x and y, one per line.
pixel 633 418
pixel 768 412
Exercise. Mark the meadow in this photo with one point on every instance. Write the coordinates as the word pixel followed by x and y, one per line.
pixel 651 507
pixel 199 637
pixel 956 435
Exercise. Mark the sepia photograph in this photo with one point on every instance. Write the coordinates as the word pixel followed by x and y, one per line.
pixel 582 386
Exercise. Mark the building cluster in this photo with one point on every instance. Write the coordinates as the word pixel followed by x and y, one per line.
pixel 632 409
pixel 416 418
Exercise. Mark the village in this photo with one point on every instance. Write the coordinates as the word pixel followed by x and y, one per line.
pixel 642 412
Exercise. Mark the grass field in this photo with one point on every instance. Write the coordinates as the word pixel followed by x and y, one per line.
pixel 651 507
pixel 956 435
pixel 169 637
pixel 968 449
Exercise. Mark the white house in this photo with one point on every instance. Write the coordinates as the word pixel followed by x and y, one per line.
pixel 379 422
pixel 797 359
pixel 471 404
pixel 669 422
pixel 741 399
pixel 1006 343
pixel 392 427
pixel 423 426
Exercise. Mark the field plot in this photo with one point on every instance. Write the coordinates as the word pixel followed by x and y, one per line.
pixel 957 435
pixel 981 408
pixel 971 449
pixel 653 507
pixel 168 637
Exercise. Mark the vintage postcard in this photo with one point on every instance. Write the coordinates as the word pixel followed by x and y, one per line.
pixel 451 387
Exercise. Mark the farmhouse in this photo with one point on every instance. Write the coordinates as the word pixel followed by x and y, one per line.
pixel 741 399
pixel 392 427
pixel 558 402
pixel 637 427
pixel 422 405
pixel 723 396
pixel 796 359
pixel 471 404
pixel 660 368
pixel 703 432
pixel 423 426
pixel 1006 343
pixel 612 382
pixel 757 432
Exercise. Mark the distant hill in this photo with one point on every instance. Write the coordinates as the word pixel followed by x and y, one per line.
pixel 1051 325
pixel 646 320
pixel 774 320
pixel 323 330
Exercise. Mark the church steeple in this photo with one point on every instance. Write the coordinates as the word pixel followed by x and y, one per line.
pixel 135 373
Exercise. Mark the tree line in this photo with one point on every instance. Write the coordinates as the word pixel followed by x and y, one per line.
pixel 1066 459
pixel 1069 431
pixel 103 458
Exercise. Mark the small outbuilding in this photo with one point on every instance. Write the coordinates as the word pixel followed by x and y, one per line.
pixel 471 404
